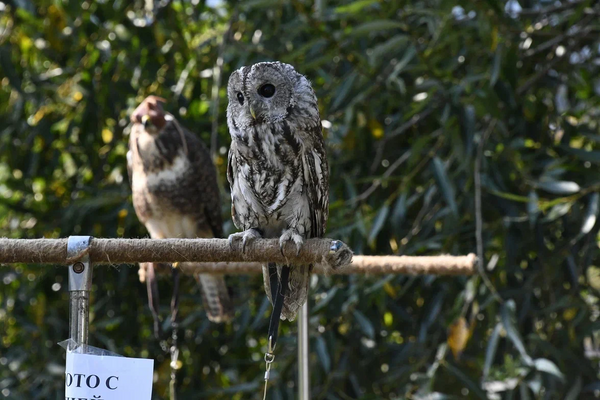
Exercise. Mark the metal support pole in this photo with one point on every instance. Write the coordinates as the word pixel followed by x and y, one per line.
pixel 80 284
pixel 303 351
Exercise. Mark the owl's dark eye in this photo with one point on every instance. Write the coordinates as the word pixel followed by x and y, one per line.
pixel 240 98
pixel 267 90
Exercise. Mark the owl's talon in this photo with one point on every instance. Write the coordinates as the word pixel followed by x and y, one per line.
pixel 292 235
pixel 247 236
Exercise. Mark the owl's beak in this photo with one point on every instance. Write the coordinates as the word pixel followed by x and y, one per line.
pixel 146 121
pixel 252 112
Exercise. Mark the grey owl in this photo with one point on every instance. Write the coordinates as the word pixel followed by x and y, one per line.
pixel 277 166
pixel 175 190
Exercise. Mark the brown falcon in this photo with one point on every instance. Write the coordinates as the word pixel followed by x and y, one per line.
pixel 175 190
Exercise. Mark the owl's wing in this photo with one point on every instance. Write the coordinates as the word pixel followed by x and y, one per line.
pixel 231 173
pixel 316 179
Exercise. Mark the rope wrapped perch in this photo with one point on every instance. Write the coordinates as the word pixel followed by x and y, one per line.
pixel 217 256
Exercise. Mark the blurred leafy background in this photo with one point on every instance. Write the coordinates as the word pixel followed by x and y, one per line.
pixel 451 128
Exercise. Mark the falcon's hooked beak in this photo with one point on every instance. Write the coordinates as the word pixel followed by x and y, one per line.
pixel 146 121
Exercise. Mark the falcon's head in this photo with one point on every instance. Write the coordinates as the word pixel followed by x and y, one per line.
pixel 150 114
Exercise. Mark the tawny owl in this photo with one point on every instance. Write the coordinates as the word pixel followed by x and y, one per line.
pixel 277 166
pixel 175 190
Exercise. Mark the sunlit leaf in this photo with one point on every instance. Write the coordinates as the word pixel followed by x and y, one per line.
pixel 458 336
pixel 545 365
pixel 591 214
pixel 559 187
pixel 354 7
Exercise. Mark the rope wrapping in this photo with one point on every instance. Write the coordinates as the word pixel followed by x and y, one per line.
pixel 216 256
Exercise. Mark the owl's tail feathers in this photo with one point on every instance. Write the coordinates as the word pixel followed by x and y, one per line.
pixel 215 297
pixel 297 291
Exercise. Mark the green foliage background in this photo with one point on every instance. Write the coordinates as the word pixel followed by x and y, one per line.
pixel 430 106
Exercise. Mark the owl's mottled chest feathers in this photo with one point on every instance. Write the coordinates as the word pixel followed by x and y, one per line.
pixel 271 184
pixel 270 163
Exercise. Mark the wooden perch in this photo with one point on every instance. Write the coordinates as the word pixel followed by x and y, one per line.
pixel 371 265
pixel 216 256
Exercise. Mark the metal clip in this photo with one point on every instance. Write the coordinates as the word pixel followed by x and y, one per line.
pixel 80 285
pixel 80 273
pixel 269 358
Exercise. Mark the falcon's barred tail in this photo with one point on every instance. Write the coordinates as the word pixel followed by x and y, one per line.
pixel 297 291
pixel 215 297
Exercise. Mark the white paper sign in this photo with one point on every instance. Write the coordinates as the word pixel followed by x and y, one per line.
pixel 90 377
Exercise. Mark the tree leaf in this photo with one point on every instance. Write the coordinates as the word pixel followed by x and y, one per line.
pixel 323 353
pixel 524 391
pixel 490 351
pixel 325 300
pixel 584 155
pixel 354 7
pixel 390 46
pixel 496 66
pixel 592 213
pixel 399 212
pixel 466 380
pixel 545 365
pixel 508 311
pixel 365 324
pixel 573 393
pixel 559 187
pixel 378 223
pixel 458 336
pixel 469 122
pixel 343 90
pixel 558 211
pixel 532 208
pixel 376 26
pixel 445 184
